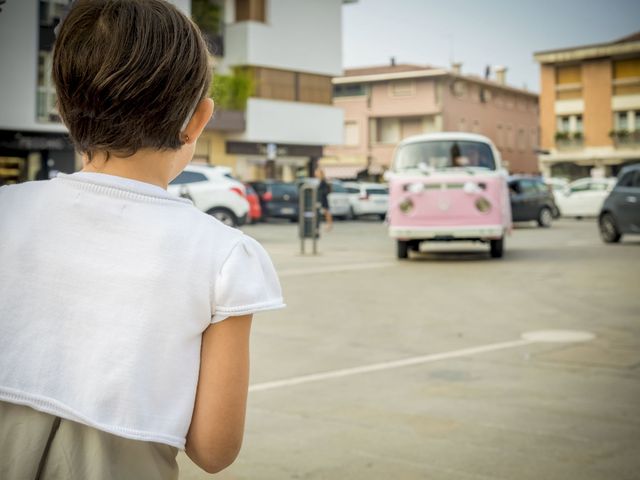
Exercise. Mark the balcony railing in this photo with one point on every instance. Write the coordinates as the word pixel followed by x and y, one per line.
pixel 626 139
pixel 569 141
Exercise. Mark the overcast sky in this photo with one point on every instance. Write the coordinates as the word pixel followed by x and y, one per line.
pixel 480 32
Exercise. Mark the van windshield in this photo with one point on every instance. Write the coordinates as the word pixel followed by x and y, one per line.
pixel 444 154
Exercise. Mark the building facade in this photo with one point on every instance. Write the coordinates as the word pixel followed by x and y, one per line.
pixel 590 108
pixel 288 51
pixel 383 105
pixel 33 141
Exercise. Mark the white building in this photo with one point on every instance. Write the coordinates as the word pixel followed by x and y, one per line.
pixel 291 49
pixel 33 141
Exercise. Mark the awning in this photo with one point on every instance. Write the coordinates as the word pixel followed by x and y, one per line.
pixel 342 171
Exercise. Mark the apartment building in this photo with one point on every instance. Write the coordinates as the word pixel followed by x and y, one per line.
pixel 590 108
pixel 384 104
pixel 287 51
pixel 33 141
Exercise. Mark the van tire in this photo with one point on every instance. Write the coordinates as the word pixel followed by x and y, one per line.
pixel 402 249
pixel 497 248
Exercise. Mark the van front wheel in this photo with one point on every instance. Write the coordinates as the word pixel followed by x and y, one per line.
pixel 497 248
pixel 403 249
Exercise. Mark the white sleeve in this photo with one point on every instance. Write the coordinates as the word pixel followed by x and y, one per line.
pixel 246 283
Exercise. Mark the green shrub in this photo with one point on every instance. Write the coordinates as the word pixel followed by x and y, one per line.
pixel 230 92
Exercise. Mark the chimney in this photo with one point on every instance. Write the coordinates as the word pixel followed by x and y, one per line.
pixel 393 61
pixel 456 67
pixel 501 74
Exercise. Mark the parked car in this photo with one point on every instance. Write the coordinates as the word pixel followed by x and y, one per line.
pixel 448 187
pixel 558 186
pixel 255 210
pixel 620 212
pixel 277 199
pixel 212 190
pixel 367 199
pixel 584 197
pixel 531 199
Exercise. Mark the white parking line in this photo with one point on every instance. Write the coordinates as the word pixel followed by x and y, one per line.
pixel 529 338
pixel 334 268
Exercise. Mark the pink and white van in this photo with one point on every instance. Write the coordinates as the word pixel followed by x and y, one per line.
pixel 448 187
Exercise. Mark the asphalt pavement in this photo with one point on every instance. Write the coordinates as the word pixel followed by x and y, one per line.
pixel 418 369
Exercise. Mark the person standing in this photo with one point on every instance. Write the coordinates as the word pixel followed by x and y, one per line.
pixel 324 189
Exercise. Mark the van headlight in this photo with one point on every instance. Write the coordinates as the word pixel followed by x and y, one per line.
pixel 483 205
pixel 406 205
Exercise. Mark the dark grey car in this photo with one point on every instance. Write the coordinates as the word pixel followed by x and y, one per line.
pixel 531 199
pixel 620 212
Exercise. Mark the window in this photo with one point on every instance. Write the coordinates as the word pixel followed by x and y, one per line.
pixel 579 123
pixel 571 74
pixel 636 122
pixel 402 88
pixel 626 76
pixel 528 186
pixel 351 133
pixel 337 187
pixel 568 82
pixel 621 121
pixel 388 130
pixel 410 126
pixel 46 92
pixel 250 10
pixel 627 180
pixel 597 186
pixel 580 187
pixel 350 90
pixel 562 124
pixel 291 86
pixel 443 154
pixel 188 177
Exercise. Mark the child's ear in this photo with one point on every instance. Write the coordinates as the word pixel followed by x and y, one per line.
pixel 195 126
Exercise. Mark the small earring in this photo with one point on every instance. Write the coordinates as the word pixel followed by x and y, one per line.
pixel 186 138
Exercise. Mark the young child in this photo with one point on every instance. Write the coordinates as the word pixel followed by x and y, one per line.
pixel 113 349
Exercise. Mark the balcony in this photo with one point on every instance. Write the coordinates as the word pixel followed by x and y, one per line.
pixel 625 139
pixel 569 141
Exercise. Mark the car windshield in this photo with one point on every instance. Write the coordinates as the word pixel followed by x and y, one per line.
pixel 444 154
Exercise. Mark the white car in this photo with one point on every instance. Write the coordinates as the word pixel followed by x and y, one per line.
pixel 339 200
pixel 584 197
pixel 367 199
pixel 214 191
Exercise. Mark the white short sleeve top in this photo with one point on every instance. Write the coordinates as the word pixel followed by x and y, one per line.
pixel 106 285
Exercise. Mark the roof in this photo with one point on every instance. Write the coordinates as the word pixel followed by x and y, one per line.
pixel 624 45
pixel 408 71
pixel 374 70
pixel 431 137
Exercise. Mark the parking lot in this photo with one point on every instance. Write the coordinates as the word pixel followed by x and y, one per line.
pixel 417 369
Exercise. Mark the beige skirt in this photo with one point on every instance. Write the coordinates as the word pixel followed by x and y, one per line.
pixel 39 446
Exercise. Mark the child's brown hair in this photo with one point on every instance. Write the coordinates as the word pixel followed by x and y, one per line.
pixel 128 74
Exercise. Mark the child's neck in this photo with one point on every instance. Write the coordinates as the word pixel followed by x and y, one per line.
pixel 154 167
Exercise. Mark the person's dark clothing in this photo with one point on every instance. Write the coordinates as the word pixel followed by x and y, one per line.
pixel 323 193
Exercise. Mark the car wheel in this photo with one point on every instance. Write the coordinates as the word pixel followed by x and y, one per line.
pixel 352 214
pixel 545 216
pixel 224 215
pixel 403 249
pixel 382 216
pixel 608 229
pixel 497 248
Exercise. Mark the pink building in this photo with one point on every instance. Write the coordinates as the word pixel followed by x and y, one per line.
pixel 383 105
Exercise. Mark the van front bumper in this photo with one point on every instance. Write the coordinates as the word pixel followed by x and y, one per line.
pixel 447 233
